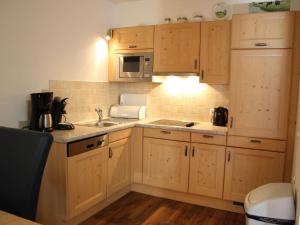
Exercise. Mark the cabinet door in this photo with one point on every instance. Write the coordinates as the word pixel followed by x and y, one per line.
pixel 259 93
pixel 118 166
pixel 166 164
pixel 207 170
pixel 176 48
pixel 87 180
pixel 247 169
pixel 215 52
pixel 263 30
pixel 133 38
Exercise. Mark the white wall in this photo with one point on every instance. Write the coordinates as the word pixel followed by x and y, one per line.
pixel 42 40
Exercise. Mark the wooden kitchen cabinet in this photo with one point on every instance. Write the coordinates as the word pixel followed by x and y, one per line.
pixel 118 166
pixel 263 30
pixel 166 164
pixel 215 52
pixel 87 180
pixel 247 169
pixel 176 48
pixel 207 170
pixel 133 38
pixel 259 93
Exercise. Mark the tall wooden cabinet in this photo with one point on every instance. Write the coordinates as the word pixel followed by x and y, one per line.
pixel 215 52
pixel 176 48
pixel 166 164
pixel 247 169
pixel 259 93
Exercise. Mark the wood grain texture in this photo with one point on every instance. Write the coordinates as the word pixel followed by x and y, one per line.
pixel 140 209
pixel 215 52
pixel 209 139
pixel 9 219
pixel 167 134
pixel 176 48
pixel 118 135
pixel 247 169
pixel 136 152
pixel 260 93
pixel 166 164
pixel 273 30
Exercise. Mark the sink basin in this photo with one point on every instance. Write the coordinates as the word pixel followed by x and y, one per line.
pixel 99 124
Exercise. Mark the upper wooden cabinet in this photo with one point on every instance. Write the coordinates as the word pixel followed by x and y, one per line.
pixel 176 48
pixel 166 164
pixel 215 52
pixel 133 38
pixel 259 93
pixel 247 169
pixel 264 30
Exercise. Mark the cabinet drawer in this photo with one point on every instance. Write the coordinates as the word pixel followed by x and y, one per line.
pixel 167 134
pixel 209 139
pixel 118 135
pixel 257 143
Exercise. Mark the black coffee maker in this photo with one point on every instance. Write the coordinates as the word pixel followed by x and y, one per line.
pixel 220 117
pixel 58 113
pixel 41 119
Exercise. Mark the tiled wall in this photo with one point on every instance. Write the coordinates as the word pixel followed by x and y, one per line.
pixel 167 100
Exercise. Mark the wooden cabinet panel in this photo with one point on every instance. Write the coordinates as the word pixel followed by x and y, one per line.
pixel 176 48
pixel 118 135
pixel 215 52
pixel 118 166
pixel 259 93
pixel 167 134
pixel 207 170
pixel 257 143
pixel 166 164
pixel 87 180
pixel 133 38
pixel 263 30
pixel 209 139
pixel 247 169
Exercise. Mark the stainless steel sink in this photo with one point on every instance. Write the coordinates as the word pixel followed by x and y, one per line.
pixel 98 124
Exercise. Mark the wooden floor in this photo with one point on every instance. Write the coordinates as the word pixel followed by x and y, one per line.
pixel 135 208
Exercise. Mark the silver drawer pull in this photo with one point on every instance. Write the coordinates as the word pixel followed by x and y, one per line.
pixel 255 141
pixel 165 132
pixel 260 44
pixel 207 136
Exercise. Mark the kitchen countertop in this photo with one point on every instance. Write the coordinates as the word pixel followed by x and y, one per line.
pixel 82 132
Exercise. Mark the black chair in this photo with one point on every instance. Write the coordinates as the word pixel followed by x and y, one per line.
pixel 23 155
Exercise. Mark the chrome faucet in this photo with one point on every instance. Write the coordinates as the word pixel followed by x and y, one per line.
pixel 100 114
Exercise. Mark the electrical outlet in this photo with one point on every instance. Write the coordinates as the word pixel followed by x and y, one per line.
pixel 294 180
pixel 24 124
pixel 211 114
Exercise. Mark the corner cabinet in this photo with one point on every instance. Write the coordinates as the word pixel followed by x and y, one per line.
pixel 87 180
pixel 166 164
pixel 215 52
pixel 263 30
pixel 259 93
pixel 176 48
pixel 247 169
pixel 133 38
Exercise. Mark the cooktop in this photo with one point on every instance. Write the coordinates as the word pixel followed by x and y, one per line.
pixel 177 123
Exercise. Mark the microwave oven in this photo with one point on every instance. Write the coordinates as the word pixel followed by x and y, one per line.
pixel 134 65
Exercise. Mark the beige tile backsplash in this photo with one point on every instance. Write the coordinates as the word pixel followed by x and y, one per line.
pixel 163 101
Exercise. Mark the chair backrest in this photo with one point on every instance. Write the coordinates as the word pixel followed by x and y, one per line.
pixel 23 155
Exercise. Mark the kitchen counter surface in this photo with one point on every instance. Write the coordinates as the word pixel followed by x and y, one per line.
pixel 82 132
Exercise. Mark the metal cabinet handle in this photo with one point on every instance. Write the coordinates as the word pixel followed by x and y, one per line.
pixel 195 64
pixel 193 151
pixel 132 46
pixel 186 151
pixel 229 156
pixel 260 44
pixel 231 122
pixel 165 132
pixel 110 153
pixel 255 141
pixel 202 75
pixel 89 146
pixel 207 136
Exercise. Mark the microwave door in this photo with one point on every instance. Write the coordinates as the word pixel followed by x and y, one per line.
pixel 131 66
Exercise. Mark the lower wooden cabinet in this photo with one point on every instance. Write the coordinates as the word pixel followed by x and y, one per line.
pixel 207 170
pixel 118 166
pixel 166 164
pixel 247 169
pixel 87 180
